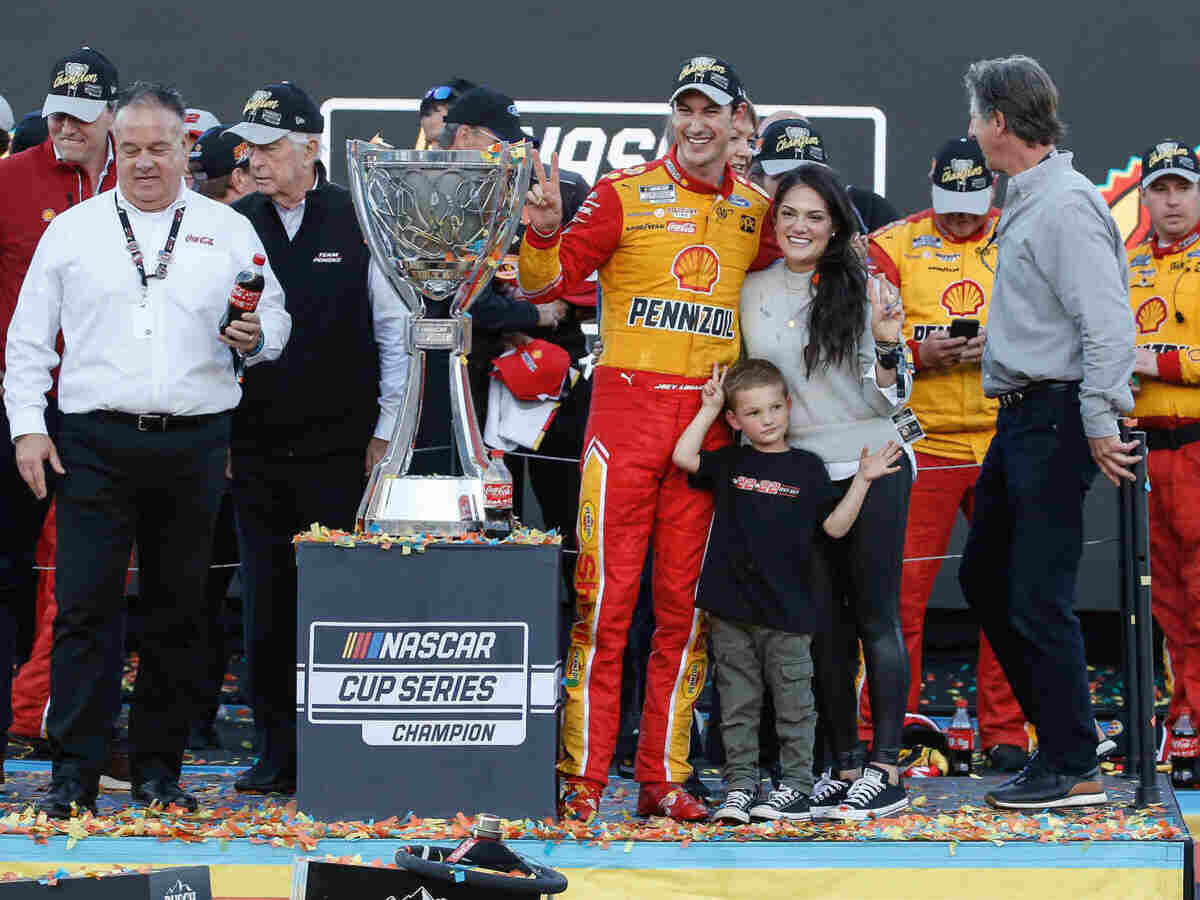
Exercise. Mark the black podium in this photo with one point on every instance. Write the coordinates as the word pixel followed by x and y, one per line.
pixel 427 681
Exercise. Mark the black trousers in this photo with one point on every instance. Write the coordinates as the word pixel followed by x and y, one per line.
pixel 157 488
pixel 275 497
pixel 1020 564
pixel 865 568
pixel 21 518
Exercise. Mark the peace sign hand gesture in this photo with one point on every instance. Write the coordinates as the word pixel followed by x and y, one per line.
pixel 543 202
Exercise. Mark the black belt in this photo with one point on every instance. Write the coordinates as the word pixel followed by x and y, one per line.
pixel 1015 398
pixel 1172 438
pixel 157 421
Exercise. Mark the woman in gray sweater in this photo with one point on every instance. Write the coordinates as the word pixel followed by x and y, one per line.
pixel 836 339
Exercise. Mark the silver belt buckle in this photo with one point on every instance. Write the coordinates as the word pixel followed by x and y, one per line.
pixel 150 422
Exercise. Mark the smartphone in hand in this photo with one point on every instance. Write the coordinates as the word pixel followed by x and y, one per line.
pixel 964 328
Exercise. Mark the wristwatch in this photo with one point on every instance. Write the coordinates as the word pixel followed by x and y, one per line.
pixel 889 358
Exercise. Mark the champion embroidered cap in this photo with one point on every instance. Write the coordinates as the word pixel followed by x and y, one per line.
pixel 217 152
pixel 275 110
pixel 1169 158
pixel 712 77
pixel 789 143
pixel 198 121
pixel 485 108
pixel 6 115
pixel 961 181
pixel 534 371
pixel 82 83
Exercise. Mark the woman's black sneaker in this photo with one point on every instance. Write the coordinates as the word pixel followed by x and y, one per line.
pixel 736 808
pixel 871 797
pixel 828 794
pixel 783 803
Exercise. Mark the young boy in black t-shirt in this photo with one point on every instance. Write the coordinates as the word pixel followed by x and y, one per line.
pixel 764 597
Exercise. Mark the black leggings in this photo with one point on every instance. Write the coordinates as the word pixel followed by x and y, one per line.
pixel 864 567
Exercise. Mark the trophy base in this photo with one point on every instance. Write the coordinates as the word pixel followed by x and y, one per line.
pixel 406 504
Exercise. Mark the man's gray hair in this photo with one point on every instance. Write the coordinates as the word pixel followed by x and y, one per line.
pixel 152 93
pixel 1020 88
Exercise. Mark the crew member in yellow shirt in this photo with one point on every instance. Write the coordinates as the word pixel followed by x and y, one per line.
pixel 1164 289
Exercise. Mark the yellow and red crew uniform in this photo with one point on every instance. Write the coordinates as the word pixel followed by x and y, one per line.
pixel 671 254
pixel 942 278
pixel 1164 291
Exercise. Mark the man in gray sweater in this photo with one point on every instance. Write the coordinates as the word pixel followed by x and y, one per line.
pixel 1059 355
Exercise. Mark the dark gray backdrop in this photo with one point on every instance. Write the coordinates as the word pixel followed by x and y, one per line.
pixel 1124 73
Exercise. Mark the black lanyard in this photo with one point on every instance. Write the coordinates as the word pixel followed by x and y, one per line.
pixel 131 244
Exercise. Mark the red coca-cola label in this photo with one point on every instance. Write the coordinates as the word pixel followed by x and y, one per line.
pixel 960 740
pixel 243 299
pixel 1185 746
pixel 498 495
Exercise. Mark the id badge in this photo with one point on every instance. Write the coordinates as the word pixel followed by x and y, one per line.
pixel 908 427
pixel 143 322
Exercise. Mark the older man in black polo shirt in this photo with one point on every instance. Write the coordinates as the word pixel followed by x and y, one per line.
pixel 315 421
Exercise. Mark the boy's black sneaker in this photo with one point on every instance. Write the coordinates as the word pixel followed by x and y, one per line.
pixel 783 803
pixel 871 797
pixel 736 808
pixel 1042 789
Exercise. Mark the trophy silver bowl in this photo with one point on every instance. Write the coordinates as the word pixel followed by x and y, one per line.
pixel 438 223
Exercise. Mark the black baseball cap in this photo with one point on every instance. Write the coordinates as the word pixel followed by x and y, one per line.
pixel 961 180
pixel 1169 158
pixel 31 131
pixel 488 109
pixel 788 143
pixel 81 84
pixel 217 152
pixel 448 92
pixel 712 77
pixel 275 110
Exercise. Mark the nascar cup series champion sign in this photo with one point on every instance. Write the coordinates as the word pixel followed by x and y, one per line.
pixel 428 681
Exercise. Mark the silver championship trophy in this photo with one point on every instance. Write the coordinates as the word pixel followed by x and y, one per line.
pixel 438 223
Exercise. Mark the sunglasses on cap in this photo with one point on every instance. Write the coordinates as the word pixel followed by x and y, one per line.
pixel 441 92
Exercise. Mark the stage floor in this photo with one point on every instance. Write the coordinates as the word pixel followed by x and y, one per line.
pixel 949 841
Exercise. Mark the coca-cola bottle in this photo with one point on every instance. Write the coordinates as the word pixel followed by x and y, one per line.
pixel 960 739
pixel 497 497
pixel 247 288
pixel 1185 747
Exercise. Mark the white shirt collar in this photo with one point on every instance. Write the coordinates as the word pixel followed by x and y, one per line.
pixel 107 162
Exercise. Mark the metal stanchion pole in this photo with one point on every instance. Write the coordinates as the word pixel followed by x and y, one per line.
pixel 1128 575
pixel 1147 791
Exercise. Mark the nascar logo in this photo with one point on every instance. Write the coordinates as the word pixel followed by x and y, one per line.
pixel 419 645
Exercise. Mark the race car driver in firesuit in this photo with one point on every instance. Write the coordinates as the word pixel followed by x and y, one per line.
pixel 672 241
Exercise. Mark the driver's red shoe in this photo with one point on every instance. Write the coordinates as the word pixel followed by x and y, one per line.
pixel 672 801
pixel 579 799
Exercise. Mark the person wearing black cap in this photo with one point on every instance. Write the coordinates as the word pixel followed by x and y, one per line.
pixel 434 105
pixel 1164 292
pixel 941 260
pixel 31 130
pixel 72 162
pixel 219 162
pixel 790 142
pixel 309 426
pixel 671 241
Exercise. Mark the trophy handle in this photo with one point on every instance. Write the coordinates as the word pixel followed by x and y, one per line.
pixel 404 436
pixel 472 454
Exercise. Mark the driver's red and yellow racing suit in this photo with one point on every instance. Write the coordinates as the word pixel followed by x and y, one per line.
pixel 671 253
pixel 1164 290
pixel 942 279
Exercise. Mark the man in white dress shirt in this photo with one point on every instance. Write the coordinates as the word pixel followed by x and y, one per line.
pixel 137 279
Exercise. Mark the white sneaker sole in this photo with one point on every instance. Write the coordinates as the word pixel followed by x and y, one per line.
pixel 821 812
pixel 770 814
pixel 732 817
pixel 108 783
pixel 850 814
pixel 1075 800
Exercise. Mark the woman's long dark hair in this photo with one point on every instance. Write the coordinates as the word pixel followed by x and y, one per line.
pixel 835 319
